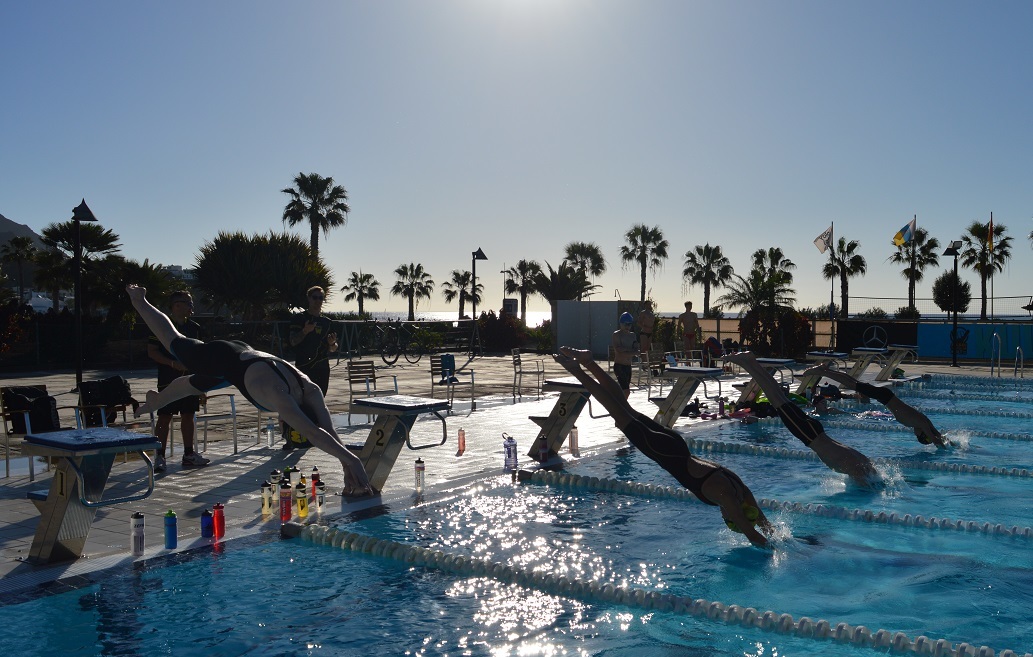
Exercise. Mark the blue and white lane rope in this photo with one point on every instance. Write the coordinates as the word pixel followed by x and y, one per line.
pixel 578 482
pixel 640 598
pixel 699 445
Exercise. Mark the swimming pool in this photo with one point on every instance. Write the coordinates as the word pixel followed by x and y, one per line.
pixel 962 584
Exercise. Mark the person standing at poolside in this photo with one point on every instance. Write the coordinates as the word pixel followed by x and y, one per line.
pixel 689 322
pixel 267 381
pixel 837 456
pixel 313 339
pixel 646 322
pixel 181 306
pixel 625 348
pixel 904 413
pixel 711 483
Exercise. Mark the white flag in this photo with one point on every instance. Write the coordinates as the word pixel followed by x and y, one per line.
pixel 824 241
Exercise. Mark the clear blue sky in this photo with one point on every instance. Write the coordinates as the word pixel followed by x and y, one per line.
pixel 518 126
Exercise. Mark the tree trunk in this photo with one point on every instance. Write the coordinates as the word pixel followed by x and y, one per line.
pixel 314 240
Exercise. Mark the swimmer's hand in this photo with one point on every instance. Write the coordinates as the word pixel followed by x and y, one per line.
pixel 136 292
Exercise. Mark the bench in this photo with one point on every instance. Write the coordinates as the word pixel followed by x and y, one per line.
pixel 395 416
pixel 83 463
pixel 449 379
pixel 362 381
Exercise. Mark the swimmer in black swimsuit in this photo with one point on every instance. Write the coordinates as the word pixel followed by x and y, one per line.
pixel 739 507
pixel 904 413
pixel 268 382
pixel 839 457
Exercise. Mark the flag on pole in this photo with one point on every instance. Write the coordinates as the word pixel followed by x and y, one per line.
pixel 990 235
pixel 905 234
pixel 824 241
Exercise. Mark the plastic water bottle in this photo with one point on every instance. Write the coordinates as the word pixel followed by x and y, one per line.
pixel 286 503
pixel 509 445
pixel 207 525
pixel 136 534
pixel 267 498
pixel 218 520
pixel 295 475
pixel 269 433
pixel 420 475
pixel 171 531
pixel 301 497
pixel 543 450
pixel 575 449
pixel 315 479
pixel 320 496
pixel 461 442
pixel 274 478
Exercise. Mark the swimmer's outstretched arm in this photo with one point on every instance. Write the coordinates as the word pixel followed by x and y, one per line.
pixel 157 321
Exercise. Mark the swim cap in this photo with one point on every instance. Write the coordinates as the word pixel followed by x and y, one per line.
pixel 752 514
pixel 626 318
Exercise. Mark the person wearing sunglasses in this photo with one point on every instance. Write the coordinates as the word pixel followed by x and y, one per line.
pixel 313 339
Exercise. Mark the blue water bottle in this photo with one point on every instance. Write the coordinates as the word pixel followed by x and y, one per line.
pixel 509 446
pixel 207 524
pixel 171 536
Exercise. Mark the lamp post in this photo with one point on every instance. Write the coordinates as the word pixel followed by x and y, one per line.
pixel 80 213
pixel 952 250
pixel 477 255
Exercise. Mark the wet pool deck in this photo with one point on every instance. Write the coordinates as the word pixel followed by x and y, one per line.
pixel 235 479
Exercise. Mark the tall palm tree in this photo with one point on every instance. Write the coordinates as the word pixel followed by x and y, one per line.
pixel 361 286
pixel 53 273
pixel 758 291
pixel 18 251
pixel 978 256
pixel 319 201
pixel 647 247
pixel 586 257
pixel 917 255
pixel 844 262
pixel 459 286
pixel 520 280
pixel 772 261
pixel 413 283
pixel 566 282
pixel 707 266
pixel 96 242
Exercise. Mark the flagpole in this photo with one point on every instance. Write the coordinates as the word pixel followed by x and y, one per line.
pixel 832 292
pixel 990 238
pixel 912 273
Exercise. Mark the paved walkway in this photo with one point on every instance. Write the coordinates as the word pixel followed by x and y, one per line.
pixel 235 479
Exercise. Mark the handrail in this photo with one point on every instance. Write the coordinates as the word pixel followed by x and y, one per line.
pixel 995 347
pixel 1020 365
pixel 118 500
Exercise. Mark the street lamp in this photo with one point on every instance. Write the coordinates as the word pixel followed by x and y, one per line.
pixel 952 250
pixel 80 213
pixel 477 255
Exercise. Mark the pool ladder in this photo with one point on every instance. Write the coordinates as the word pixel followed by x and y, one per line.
pixel 995 358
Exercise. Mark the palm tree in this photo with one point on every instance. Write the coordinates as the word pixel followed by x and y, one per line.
pixel 413 283
pixel 647 247
pixel 18 250
pixel 361 286
pixel 772 261
pixel 917 255
pixel 707 266
pixel 459 286
pixel 758 291
pixel 561 284
pixel 520 280
pixel 844 262
pixel 95 241
pixel 52 273
pixel 319 201
pixel 586 257
pixel 978 255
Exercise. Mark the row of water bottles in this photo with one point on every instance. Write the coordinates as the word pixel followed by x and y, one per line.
pixel 213 525
pixel 295 494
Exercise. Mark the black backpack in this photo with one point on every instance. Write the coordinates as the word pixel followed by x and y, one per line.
pixel 42 409
pixel 107 393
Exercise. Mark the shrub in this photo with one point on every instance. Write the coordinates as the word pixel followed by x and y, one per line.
pixel 500 333
pixel 790 334
pixel 873 313
pixel 908 312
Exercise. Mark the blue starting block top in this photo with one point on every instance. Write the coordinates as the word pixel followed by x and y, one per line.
pixel 870 350
pixel 907 347
pixel 566 383
pixel 698 371
pixel 827 354
pixel 403 403
pixel 775 361
pixel 92 438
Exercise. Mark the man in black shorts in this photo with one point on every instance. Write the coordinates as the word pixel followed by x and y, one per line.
pixel 711 483
pixel 181 306
pixel 625 348
pixel 268 382
pixel 313 339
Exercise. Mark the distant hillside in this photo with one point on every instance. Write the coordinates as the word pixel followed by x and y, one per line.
pixel 8 230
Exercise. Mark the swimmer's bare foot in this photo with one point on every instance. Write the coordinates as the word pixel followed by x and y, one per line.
pixel 567 363
pixel 818 369
pixel 582 356
pixel 740 357
pixel 359 492
pixel 152 399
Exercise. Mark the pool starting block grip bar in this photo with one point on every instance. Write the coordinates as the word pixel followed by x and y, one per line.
pixel 746 617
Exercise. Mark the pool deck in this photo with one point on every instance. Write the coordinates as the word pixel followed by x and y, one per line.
pixel 234 479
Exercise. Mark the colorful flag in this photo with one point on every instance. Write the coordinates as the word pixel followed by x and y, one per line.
pixel 824 241
pixel 905 234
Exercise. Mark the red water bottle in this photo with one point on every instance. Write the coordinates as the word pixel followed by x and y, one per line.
pixel 218 520
pixel 286 500
pixel 315 480
pixel 462 442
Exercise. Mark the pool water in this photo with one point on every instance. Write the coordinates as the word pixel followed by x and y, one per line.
pixel 295 597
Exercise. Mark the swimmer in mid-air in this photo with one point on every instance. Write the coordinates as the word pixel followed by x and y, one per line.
pixel 836 455
pixel 711 483
pixel 268 382
pixel 904 413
